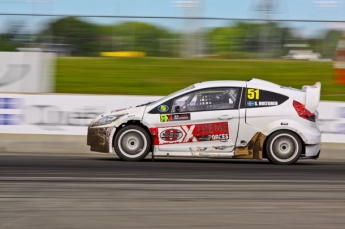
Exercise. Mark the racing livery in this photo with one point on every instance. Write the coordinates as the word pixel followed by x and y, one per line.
pixel 252 119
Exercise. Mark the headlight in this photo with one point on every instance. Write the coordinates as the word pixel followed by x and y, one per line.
pixel 106 120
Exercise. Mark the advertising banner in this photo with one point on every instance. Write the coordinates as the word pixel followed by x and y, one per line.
pixel 332 121
pixel 68 114
pixel 58 114
pixel 26 72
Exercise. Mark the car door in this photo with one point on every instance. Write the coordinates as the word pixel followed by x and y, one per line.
pixel 202 121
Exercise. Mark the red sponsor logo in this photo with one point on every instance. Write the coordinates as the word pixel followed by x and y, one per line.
pixel 190 133
pixel 211 129
pixel 171 135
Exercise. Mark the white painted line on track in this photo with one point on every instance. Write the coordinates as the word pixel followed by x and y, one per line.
pixel 161 180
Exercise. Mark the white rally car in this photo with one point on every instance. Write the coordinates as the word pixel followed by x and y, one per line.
pixel 216 119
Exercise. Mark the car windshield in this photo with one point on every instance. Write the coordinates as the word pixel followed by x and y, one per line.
pixel 173 94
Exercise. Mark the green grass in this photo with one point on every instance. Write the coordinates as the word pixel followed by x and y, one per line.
pixel 160 76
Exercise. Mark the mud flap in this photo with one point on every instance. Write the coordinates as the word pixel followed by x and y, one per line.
pixel 253 150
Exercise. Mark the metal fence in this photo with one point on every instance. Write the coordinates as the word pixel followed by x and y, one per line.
pixel 188 37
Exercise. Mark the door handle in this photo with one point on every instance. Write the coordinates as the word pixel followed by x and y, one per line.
pixel 225 117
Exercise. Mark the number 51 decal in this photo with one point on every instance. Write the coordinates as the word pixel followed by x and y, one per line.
pixel 253 93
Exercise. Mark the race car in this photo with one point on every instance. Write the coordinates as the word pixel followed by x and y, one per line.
pixel 252 119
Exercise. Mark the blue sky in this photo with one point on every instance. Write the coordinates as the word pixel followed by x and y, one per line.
pixel 287 9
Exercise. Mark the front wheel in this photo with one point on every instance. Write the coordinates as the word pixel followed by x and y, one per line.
pixel 132 143
pixel 284 147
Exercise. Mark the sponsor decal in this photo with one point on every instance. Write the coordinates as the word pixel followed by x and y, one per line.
pixel 205 138
pixel 10 119
pixel 261 98
pixel 174 117
pixel 191 133
pixel 54 118
pixel 212 128
pixel 163 108
pixel 251 103
pixel 181 117
pixel 10 103
pixel 220 137
pixel 10 111
pixel 268 103
pixel 214 137
pixel 253 93
pixel 164 118
pixel 171 135
pixel 261 103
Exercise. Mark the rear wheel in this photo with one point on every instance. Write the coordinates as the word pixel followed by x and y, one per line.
pixel 284 147
pixel 132 143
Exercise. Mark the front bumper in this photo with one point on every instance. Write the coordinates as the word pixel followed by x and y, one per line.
pixel 100 139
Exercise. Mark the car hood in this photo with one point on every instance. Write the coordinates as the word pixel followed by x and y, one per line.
pixel 133 113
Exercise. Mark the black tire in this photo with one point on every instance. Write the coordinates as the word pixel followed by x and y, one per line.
pixel 284 147
pixel 132 143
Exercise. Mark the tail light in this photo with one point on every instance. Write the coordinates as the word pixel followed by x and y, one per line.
pixel 302 112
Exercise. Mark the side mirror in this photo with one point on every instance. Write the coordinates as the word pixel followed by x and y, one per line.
pixel 177 108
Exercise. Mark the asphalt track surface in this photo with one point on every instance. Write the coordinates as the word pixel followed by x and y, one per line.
pixel 101 191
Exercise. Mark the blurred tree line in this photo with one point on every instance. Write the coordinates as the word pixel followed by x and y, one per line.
pixel 238 40
pixel 12 38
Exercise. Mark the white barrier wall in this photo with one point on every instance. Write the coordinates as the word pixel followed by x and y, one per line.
pixel 70 114
pixel 58 113
pixel 332 121
pixel 26 72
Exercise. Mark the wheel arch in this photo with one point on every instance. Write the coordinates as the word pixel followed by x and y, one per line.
pixel 264 152
pixel 287 125
pixel 136 122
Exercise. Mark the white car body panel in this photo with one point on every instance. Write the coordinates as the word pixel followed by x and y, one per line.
pixel 198 120
pixel 245 132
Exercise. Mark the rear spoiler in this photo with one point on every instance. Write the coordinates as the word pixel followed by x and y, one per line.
pixel 312 94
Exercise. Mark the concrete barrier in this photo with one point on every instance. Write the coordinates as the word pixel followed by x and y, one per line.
pixel 52 144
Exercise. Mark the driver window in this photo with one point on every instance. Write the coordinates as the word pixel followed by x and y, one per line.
pixel 207 99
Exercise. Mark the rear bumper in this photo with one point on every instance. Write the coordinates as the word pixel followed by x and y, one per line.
pixel 312 143
pixel 312 157
pixel 312 150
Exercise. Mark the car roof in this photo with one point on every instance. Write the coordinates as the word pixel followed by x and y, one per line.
pixel 220 83
pixel 235 83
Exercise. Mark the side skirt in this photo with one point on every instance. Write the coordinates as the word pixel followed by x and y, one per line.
pixel 196 155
